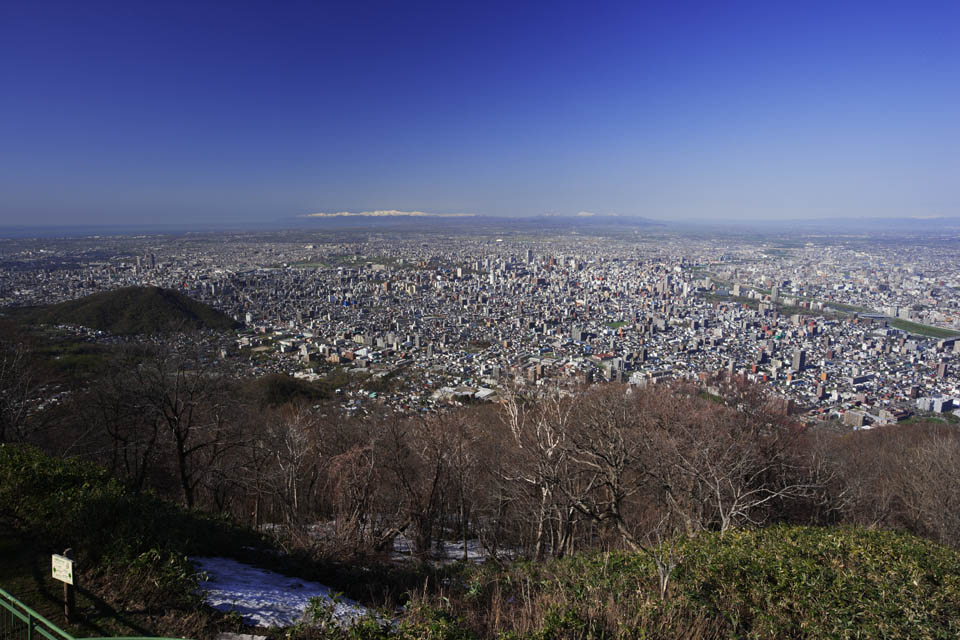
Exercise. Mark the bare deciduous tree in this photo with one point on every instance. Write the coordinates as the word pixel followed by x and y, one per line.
pixel 293 439
pixel 539 427
pixel 192 401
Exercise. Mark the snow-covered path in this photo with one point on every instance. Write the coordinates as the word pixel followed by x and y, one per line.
pixel 264 598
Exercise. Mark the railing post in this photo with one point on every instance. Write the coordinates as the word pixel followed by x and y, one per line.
pixel 69 601
pixel 29 626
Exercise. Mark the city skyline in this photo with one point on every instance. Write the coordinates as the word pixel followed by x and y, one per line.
pixel 188 113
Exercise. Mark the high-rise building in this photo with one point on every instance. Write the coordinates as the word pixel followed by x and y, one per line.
pixel 799 359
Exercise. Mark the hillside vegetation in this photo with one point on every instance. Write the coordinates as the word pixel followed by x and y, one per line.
pixel 131 551
pixel 130 548
pixel 616 511
pixel 776 582
pixel 135 310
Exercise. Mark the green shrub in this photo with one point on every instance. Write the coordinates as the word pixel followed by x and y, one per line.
pixel 778 582
pixel 65 502
pixel 809 582
pixel 425 621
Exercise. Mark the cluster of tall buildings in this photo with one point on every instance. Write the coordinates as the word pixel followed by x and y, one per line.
pixel 446 312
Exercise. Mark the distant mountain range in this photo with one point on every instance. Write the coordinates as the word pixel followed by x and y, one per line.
pixel 451 223
pixel 133 310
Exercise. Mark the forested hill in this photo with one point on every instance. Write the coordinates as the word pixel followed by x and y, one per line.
pixel 135 310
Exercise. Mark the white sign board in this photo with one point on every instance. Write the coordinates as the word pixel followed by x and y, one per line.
pixel 62 569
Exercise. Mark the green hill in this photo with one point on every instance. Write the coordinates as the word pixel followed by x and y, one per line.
pixel 135 310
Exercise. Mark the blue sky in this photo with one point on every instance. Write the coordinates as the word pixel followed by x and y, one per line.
pixel 130 112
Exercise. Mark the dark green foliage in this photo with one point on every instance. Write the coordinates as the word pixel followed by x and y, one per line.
pixel 131 548
pixel 136 544
pixel 421 621
pixel 66 502
pixel 381 384
pixel 74 360
pixel 277 389
pixel 777 582
pixel 793 582
pixel 135 310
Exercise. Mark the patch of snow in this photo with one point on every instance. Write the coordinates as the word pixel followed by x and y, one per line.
pixel 445 552
pixel 402 545
pixel 265 598
pixel 476 552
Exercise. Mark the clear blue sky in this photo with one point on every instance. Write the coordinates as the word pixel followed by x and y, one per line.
pixel 147 112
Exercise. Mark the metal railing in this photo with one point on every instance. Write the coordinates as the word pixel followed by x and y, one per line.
pixel 20 622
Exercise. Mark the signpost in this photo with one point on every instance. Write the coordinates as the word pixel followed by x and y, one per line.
pixel 62 569
pixel 62 566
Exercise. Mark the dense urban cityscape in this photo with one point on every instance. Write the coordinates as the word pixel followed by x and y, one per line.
pixel 858 329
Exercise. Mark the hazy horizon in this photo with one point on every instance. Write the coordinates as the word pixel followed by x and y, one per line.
pixel 197 114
